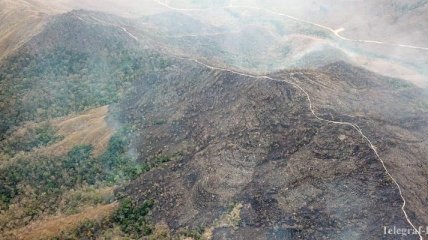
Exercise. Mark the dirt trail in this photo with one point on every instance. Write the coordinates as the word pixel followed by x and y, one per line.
pixel 353 125
pixel 335 32
pixel 265 77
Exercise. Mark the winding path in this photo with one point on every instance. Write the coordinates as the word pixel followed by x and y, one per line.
pixel 353 125
pixel 311 108
pixel 336 32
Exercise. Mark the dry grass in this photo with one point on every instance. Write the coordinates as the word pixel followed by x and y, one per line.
pixel 19 21
pixel 230 219
pixel 53 226
pixel 88 128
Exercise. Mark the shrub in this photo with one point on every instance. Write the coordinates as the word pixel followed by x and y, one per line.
pixel 131 217
pixel 35 137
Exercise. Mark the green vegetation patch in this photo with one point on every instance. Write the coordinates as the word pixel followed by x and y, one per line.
pixel 58 82
pixel 129 221
pixel 38 182
pixel 131 217
pixel 32 138
pixel 48 175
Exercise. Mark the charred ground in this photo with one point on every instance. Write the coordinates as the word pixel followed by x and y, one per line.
pixel 208 153
pixel 254 143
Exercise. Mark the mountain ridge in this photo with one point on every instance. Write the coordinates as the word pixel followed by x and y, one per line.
pixel 202 150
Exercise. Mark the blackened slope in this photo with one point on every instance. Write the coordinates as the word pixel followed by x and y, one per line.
pixel 393 115
pixel 256 143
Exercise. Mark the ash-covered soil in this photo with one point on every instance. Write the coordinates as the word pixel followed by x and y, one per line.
pixel 392 113
pixel 239 141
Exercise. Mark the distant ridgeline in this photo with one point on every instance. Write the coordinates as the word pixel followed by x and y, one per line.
pixel 176 149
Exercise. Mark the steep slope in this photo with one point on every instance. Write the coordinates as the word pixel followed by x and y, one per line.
pixel 392 113
pixel 254 145
pixel 59 145
pixel 19 21
pixel 198 150
pixel 72 65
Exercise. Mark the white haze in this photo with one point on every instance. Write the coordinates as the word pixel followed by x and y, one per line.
pixel 396 22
